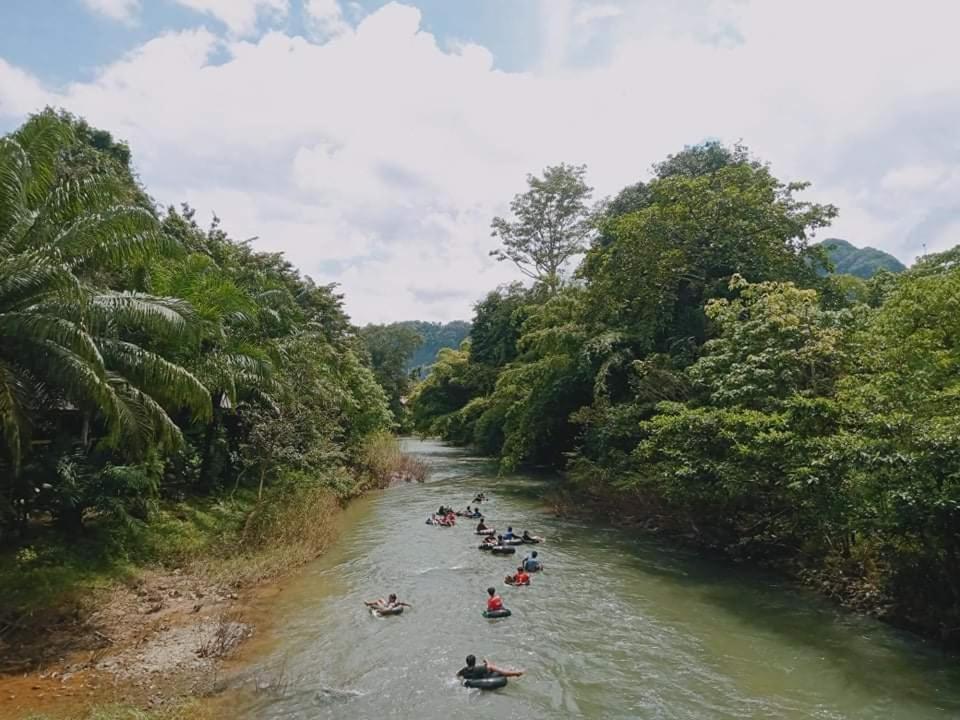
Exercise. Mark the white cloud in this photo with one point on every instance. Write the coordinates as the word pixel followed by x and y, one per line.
pixel 556 19
pixel 325 18
pixel 913 177
pixel 122 10
pixel 593 13
pixel 240 16
pixel 944 239
pixel 377 158
pixel 20 92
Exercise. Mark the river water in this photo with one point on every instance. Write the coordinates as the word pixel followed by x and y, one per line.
pixel 616 627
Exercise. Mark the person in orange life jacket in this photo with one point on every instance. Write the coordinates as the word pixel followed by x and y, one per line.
pixel 520 578
pixel 494 602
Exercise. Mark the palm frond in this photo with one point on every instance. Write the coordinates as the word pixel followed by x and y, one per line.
pixel 14 166
pixel 144 419
pixel 87 194
pixel 42 329
pixel 43 137
pixel 158 315
pixel 26 278
pixel 80 380
pixel 171 384
pixel 117 236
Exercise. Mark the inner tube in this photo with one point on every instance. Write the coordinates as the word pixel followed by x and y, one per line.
pixel 486 546
pixel 513 541
pixel 488 683
pixel 531 541
pixel 389 611
pixel 514 583
pixel 494 614
pixel 488 531
pixel 503 550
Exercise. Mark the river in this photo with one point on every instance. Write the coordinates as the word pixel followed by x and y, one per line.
pixel 616 627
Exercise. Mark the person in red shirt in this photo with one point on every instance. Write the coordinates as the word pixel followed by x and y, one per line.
pixel 494 602
pixel 520 578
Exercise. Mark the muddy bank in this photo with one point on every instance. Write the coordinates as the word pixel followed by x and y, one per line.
pixel 145 643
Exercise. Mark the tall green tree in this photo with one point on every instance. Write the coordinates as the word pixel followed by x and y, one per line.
pixel 69 346
pixel 390 347
pixel 552 223
pixel 666 260
pixel 63 339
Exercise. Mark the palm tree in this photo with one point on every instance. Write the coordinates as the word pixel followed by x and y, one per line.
pixel 64 341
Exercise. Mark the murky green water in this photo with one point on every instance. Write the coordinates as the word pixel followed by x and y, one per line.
pixel 617 627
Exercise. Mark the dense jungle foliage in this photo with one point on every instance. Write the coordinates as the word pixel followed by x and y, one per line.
pixel 144 359
pixel 703 370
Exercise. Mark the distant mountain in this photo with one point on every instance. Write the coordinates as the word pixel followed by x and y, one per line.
pixel 862 262
pixel 435 336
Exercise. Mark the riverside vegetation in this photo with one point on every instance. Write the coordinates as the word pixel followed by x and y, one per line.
pixel 702 371
pixel 167 395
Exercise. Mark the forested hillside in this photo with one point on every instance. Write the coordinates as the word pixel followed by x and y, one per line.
pixel 699 371
pixel 860 262
pixel 157 379
pixel 434 337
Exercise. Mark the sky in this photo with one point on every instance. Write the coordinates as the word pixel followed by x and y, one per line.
pixel 373 142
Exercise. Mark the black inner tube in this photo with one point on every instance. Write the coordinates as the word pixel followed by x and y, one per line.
pixel 492 682
pixel 504 550
pixel 494 614
pixel 390 611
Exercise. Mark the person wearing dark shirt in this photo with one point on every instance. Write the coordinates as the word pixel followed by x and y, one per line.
pixel 473 671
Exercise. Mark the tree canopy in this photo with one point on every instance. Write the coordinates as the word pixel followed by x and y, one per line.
pixel 706 372
pixel 142 356
pixel 552 224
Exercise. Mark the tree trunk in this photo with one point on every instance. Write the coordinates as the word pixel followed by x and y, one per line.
pixel 85 432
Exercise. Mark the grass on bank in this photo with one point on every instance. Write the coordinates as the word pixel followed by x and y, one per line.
pixel 383 462
pixel 233 539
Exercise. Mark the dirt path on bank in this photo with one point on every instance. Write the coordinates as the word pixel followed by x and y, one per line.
pixel 148 644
